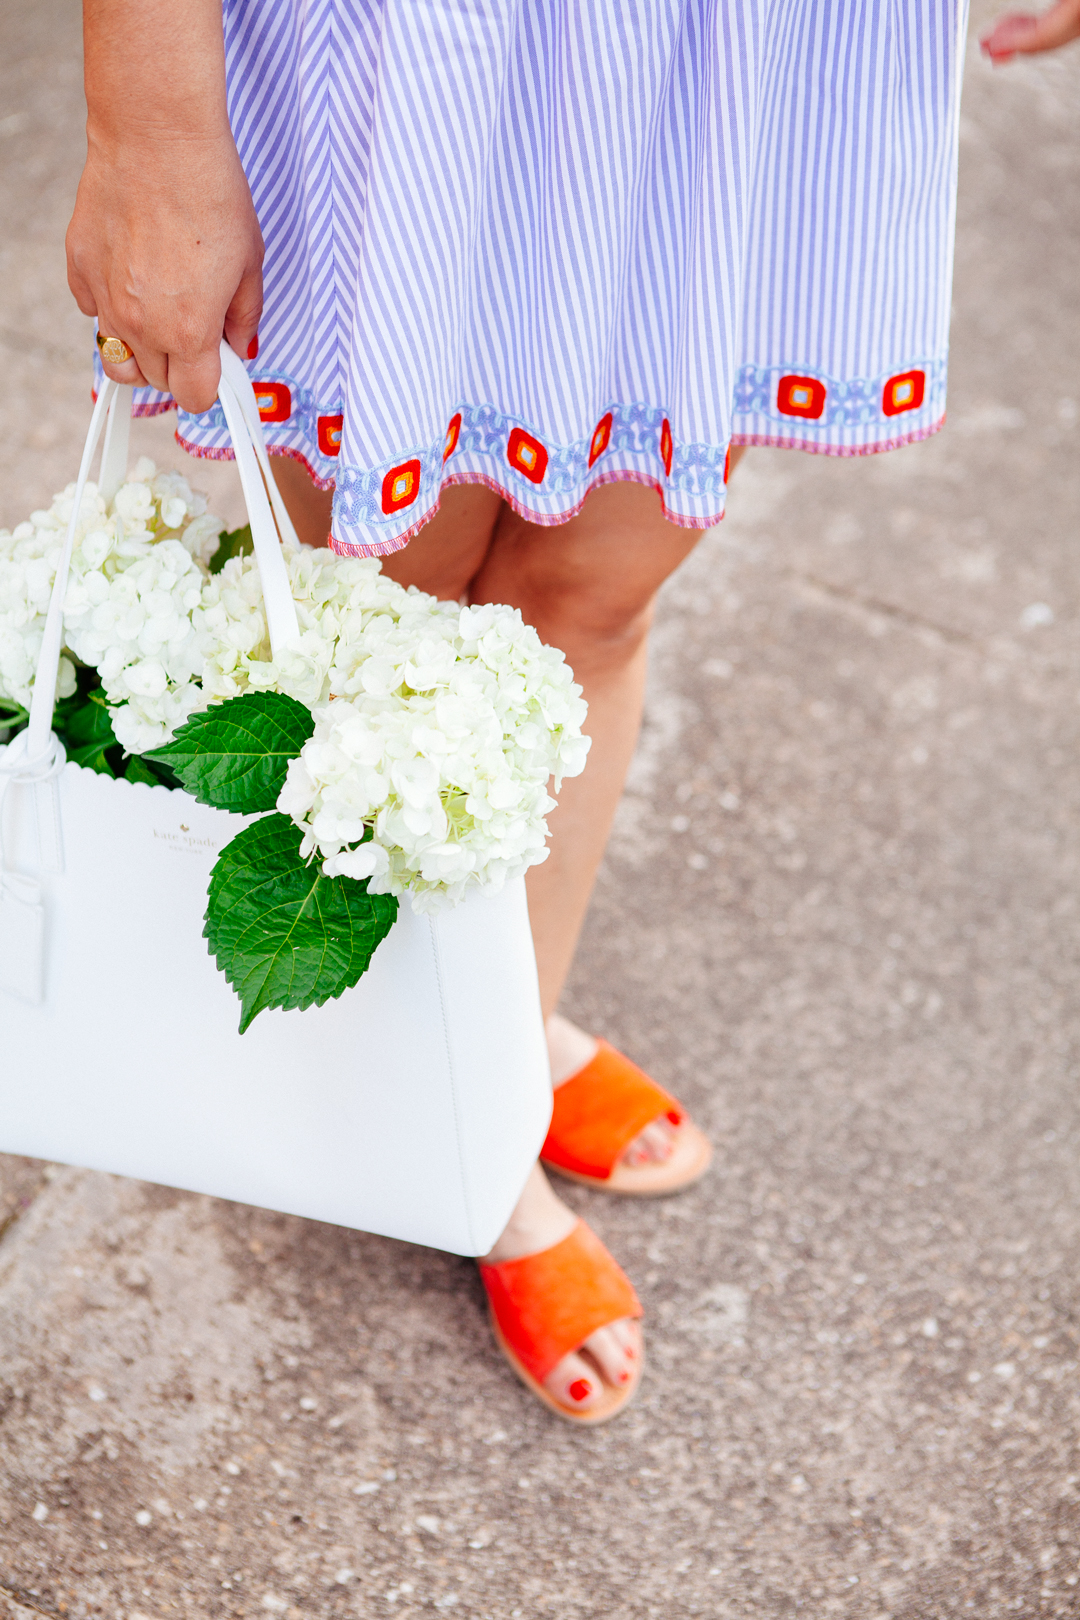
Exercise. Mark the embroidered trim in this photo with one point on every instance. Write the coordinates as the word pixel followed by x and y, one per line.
pixel 149 408
pixel 855 402
pixel 303 413
pixel 531 463
pixel 820 406
pixel 207 452
pixel 386 548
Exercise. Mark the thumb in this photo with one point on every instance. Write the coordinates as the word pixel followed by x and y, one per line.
pixel 242 315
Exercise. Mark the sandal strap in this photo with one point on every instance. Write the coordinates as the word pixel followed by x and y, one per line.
pixel 547 1304
pixel 598 1112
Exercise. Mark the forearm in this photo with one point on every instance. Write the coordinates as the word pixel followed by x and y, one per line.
pixel 164 246
pixel 154 69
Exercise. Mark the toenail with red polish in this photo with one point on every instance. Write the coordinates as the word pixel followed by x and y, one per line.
pixel 253 348
pixel 674 1116
pixel 624 1378
pixel 580 1389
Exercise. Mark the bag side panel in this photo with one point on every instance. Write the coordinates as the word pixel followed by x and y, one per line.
pixel 500 1073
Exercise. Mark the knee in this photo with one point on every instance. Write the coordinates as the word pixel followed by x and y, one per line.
pixel 598 625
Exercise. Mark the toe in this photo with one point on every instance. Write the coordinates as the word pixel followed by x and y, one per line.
pixel 654 1145
pixel 575 1383
pixel 616 1350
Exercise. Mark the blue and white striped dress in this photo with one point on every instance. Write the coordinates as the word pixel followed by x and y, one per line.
pixel 544 244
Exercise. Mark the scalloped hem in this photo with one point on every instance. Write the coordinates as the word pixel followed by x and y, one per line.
pixel 769 441
pixel 210 453
pixel 153 408
pixel 386 548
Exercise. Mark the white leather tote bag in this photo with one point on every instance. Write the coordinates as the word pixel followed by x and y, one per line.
pixel 414 1106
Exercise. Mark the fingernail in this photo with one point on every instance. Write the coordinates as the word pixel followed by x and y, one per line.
pixel 580 1389
pixel 253 348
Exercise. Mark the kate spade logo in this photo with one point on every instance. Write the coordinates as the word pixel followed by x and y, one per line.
pixel 185 841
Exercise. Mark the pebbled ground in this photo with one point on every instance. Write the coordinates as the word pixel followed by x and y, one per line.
pixel 839 917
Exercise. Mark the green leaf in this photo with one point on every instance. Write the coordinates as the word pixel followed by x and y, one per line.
pixel 237 543
pixel 282 934
pixel 235 754
pixel 138 769
pixel 85 729
pixel 13 714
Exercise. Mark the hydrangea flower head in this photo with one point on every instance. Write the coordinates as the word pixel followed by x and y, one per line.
pixel 438 728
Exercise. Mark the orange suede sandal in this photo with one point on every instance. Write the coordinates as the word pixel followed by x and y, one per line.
pixel 545 1305
pixel 596 1115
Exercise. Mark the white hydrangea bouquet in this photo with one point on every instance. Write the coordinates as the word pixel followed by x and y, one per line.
pixel 401 745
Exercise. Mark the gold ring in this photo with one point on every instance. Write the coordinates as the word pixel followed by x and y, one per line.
pixel 114 350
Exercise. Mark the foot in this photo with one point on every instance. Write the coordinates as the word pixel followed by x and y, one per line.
pixel 611 1355
pixel 569 1049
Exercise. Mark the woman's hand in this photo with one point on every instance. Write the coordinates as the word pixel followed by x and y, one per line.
pixel 163 246
pixel 1020 33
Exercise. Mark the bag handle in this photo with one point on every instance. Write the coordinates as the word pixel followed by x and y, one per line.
pixel 233 370
pixel 270 527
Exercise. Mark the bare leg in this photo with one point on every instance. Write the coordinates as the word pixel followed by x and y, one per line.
pixel 541 1220
pixel 588 587
pixel 309 506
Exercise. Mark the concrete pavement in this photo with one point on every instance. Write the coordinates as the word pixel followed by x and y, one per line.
pixel 839 917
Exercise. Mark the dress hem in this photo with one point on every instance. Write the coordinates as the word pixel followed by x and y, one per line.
pixel 206 452
pixel 772 441
pixel 386 548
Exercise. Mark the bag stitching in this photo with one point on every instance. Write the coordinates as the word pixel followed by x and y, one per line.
pixel 470 1224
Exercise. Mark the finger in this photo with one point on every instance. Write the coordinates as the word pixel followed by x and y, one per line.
pixel 1004 39
pixel 146 369
pixel 194 383
pixel 80 291
pixel 1025 34
pixel 242 315
pixel 80 287
pixel 129 373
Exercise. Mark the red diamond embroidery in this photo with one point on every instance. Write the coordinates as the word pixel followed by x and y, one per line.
pixel 527 455
pixel 667 446
pixel 274 400
pixel 330 434
pixel 801 396
pixel 903 392
pixel 401 486
pixel 601 438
